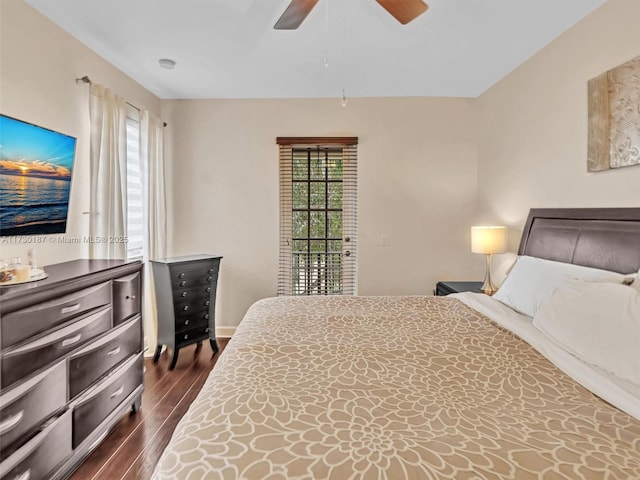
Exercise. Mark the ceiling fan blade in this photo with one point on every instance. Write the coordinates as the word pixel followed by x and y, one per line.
pixel 404 10
pixel 295 14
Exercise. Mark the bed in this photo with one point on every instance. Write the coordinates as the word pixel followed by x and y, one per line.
pixel 419 387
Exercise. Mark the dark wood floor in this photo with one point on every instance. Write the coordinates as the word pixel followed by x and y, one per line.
pixel 133 447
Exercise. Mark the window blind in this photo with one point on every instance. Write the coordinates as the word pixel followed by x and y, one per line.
pixel 350 218
pixel 135 212
pixel 318 216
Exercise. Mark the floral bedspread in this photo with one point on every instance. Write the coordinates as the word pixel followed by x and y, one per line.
pixel 392 388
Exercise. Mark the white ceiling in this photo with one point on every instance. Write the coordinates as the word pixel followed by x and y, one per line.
pixel 229 49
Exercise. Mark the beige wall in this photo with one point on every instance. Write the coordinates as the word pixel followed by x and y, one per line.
pixel 39 63
pixel 532 148
pixel 417 184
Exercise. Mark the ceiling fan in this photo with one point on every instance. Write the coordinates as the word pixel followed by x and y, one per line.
pixel 403 10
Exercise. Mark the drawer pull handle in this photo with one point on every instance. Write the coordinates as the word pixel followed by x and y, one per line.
pixel 70 341
pixel 184 294
pixel 186 337
pixel 115 351
pixel 206 330
pixel 25 476
pixel 183 283
pixel 186 322
pixel 99 440
pixel 206 316
pixel 11 422
pixel 181 275
pixel 117 392
pixel 70 309
pixel 211 270
pixel 206 304
pixel 185 308
pixel 209 279
pixel 208 289
pixel 130 297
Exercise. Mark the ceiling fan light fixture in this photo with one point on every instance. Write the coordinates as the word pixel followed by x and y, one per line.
pixel 167 63
pixel 404 11
pixel 295 14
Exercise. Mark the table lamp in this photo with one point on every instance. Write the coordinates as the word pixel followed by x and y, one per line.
pixel 488 241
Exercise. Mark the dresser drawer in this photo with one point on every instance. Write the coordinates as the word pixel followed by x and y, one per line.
pixel 24 407
pixel 126 297
pixel 99 357
pixel 25 323
pixel 192 274
pixel 198 307
pixel 19 362
pixel 98 402
pixel 193 321
pixel 190 336
pixel 37 458
pixel 195 293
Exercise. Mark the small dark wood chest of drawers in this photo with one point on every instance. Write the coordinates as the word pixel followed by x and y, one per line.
pixel 186 298
pixel 70 364
pixel 446 288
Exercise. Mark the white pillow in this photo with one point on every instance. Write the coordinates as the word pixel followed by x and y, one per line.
pixel 597 322
pixel 532 281
pixel 636 282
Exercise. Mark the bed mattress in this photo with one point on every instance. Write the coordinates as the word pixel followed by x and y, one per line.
pixel 393 388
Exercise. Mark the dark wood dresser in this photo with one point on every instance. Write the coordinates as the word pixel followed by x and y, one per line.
pixel 70 364
pixel 186 300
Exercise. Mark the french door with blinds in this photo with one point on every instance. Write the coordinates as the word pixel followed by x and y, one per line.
pixel 318 216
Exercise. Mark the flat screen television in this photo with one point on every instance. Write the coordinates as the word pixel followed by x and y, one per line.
pixel 36 165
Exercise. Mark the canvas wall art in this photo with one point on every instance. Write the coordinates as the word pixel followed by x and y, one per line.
pixel 614 118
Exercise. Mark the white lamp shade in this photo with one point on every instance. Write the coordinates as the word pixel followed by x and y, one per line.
pixel 488 240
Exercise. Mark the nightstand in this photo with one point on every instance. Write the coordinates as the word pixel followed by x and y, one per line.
pixel 445 288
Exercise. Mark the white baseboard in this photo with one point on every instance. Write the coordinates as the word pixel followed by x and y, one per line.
pixel 225 332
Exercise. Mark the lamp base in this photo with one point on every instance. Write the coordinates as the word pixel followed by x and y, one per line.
pixel 487 287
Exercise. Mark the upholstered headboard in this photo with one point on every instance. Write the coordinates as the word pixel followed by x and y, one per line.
pixel 607 238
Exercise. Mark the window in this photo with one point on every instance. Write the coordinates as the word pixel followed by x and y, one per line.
pixel 317 216
pixel 135 212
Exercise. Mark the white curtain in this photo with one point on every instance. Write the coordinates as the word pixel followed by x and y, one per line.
pixel 152 161
pixel 108 158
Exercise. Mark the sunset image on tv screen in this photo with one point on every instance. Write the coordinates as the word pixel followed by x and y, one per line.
pixel 35 178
